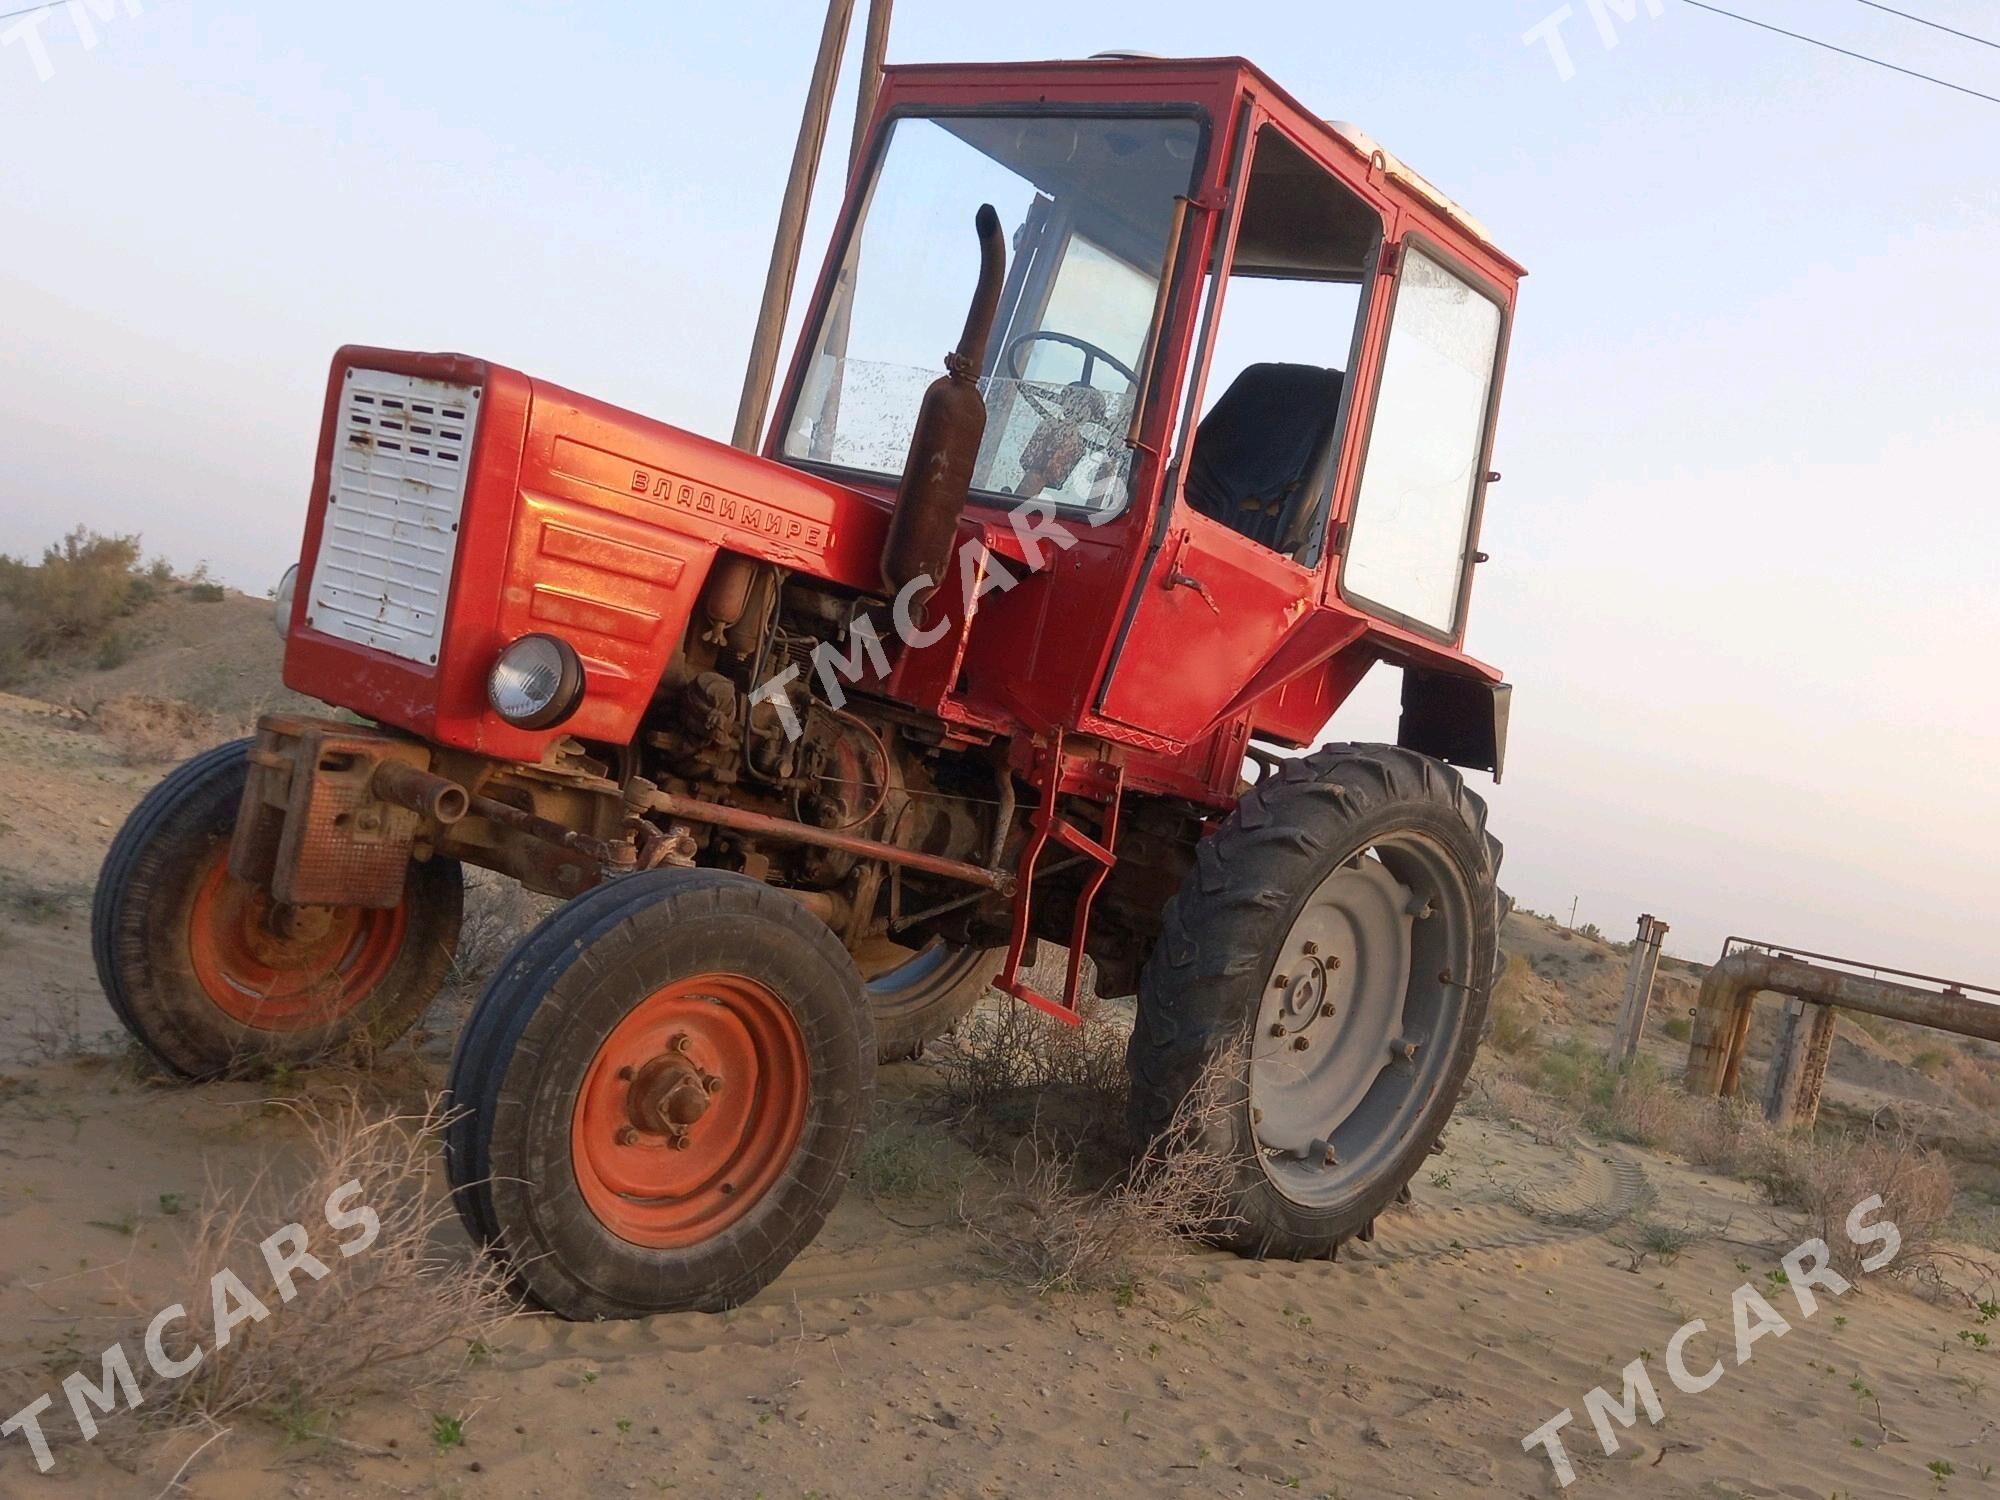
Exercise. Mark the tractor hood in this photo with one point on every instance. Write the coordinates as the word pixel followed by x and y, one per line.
pixel 458 505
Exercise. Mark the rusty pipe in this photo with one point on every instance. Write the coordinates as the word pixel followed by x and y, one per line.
pixel 1722 1017
pixel 1960 1014
pixel 944 445
pixel 404 785
pixel 972 341
pixel 742 820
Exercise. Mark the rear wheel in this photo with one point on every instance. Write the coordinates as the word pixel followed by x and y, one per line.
pixel 213 978
pixel 918 994
pixel 1336 944
pixel 661 1095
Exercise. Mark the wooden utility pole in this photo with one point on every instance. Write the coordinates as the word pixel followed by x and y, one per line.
pixel 785 250
pixel 874 49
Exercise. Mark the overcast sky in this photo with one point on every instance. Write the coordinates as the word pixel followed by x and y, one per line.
pixel 1744 556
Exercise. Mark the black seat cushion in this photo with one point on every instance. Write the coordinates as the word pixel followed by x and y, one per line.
pixel 1255 452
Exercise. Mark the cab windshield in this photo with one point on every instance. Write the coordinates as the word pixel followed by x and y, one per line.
pixel 1086 204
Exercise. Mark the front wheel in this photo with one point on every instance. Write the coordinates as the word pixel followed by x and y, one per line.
pixel 1334 946
pixel 212 978
pixel 659 1097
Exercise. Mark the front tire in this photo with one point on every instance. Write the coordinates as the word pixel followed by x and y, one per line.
pixel 1334 946
pixel 196 969
pixel 660 1096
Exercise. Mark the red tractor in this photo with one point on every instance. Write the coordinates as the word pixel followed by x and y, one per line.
pixel 819 744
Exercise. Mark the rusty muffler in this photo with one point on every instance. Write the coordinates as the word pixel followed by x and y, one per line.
pixel 945 445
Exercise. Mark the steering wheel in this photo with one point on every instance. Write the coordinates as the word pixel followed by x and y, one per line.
pixel 1043 407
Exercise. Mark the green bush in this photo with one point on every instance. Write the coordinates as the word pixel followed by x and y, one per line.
pixel 1680 1028
pixel 81 588
pixel 1515 1026
pixel 205 593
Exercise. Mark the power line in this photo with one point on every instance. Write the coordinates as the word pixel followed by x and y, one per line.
pixel 30 10
pixel 1813 41
pixel 1934 25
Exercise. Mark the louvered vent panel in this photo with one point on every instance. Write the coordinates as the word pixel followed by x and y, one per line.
pixel 399 475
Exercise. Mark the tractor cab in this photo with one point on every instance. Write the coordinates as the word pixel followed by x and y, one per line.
pixel 1246 357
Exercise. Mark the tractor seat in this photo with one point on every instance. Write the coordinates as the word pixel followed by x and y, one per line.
pixel 1255 452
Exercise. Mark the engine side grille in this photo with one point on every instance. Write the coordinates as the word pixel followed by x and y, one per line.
pixel 401 460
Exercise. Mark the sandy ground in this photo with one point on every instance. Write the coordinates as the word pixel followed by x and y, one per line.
pixel 891 1361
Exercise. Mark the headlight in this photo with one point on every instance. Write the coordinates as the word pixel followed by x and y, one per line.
pixel 281 602
pixel 537 682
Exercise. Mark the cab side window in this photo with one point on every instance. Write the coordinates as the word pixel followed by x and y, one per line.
pixel 1266 449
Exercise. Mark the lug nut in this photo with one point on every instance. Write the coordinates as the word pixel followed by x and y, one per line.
pixel 681 1143
pixel 1333 961
pixel 625 1075
pixel 680 1043
pixel 1277 1028
pixel 1326 1008
pixel 627 1136
pixel 1300 1043
pixel 1310 949
pixel 1281 981
pixel 1331 1159
pixel 712 1084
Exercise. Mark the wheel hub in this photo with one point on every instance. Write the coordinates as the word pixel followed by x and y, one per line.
pixel 690 1110
pixel 280 968
pixel 670 1094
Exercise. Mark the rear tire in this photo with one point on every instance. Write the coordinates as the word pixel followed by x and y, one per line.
pixel 1300 942
pixel 661 1095
pixel 917 995
pixel 195 973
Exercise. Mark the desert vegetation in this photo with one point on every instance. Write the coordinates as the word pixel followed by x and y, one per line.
pixel 72 606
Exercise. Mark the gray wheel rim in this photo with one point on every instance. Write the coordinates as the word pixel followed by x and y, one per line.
pixel 1361 1015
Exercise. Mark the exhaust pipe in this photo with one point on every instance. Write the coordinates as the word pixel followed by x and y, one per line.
pixel 945 445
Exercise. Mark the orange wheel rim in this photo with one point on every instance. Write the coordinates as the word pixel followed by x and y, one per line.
pixel 690 1110
pixel 326 965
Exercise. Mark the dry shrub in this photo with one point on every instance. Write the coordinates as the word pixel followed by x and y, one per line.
pixel 1012 1065
pixel 1498 1095
pixel 1824 1177
pixel 1976 1081
pixel 1044 1230
pixel 499 912
pixel 406 1313
pixel 148 731
pixel 1515 1026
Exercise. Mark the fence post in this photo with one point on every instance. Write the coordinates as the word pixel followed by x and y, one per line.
pixel 1638 998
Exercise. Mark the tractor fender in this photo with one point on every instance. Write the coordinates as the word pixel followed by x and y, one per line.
pixel 1457 719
